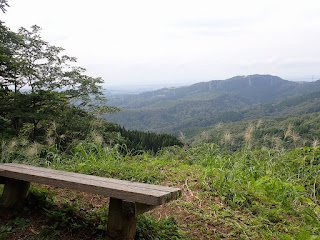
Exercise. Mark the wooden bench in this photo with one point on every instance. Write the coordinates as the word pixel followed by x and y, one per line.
pixel 127 199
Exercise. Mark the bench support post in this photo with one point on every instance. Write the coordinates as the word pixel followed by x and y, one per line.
pixel 2 180
pixel 122 220
pixel 14 192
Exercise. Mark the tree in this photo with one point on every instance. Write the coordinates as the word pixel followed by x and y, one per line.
pixel 51 80
pixel 3 5
pixel 9 41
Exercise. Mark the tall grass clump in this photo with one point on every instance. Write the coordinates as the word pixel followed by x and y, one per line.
pixel 262 179
pixel 274 185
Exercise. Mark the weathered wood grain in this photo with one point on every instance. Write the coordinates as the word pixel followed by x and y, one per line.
pixel 141 208
pixel 151 186
pixel 122 220
pixel 130 191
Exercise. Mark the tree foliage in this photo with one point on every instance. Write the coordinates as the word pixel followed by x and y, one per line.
pixel 3 5
pixel 37 81
pixel 8 43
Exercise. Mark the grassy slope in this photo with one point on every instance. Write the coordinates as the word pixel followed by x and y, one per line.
pixel 269 194
pixel 297 131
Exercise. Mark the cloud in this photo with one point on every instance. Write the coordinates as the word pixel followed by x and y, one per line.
pixel 216 27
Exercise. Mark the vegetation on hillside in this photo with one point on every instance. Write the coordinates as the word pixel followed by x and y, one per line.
pixel 206 104
pixel 195 121
pixel 259 194
pixel 286 132
pixel 255 88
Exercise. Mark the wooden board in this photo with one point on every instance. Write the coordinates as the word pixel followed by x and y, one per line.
pixel 120 189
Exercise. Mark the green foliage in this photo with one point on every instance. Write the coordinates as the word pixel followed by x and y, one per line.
pixel 276 192
pixel 184 114
pixel 138 140
pixel 8 63
pixel 58 218
pixel 149 229
pixel 3 5
pixel 51 81
pixel 288 133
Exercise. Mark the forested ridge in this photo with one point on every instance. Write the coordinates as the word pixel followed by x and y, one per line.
pixel 200 107
pixel 295 107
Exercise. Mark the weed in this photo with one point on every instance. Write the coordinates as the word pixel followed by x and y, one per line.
pixel 148 229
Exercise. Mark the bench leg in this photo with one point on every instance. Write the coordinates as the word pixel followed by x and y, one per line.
pixel 122 220
pixel 2 180
pixel 14 192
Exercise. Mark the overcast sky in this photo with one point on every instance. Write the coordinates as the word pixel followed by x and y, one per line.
pixel 130 42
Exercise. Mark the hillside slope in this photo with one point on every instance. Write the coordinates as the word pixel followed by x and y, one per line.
pixel 204 104
pixel 250 194
pixel 295 106
pixel 275 132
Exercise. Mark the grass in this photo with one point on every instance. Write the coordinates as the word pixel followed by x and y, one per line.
pixel 249 194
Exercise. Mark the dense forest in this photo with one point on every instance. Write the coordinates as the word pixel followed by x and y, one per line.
pixel 245 152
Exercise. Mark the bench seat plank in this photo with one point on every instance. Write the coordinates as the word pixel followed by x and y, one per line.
pixel 97 178
pixel 120 189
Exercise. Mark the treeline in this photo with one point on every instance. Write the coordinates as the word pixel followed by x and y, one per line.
pixel 74 125
pixel 138 140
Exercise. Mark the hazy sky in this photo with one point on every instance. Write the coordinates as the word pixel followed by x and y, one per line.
pixel 130 42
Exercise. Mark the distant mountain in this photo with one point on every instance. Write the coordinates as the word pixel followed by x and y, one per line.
pixel 258 88
pixel 206 103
